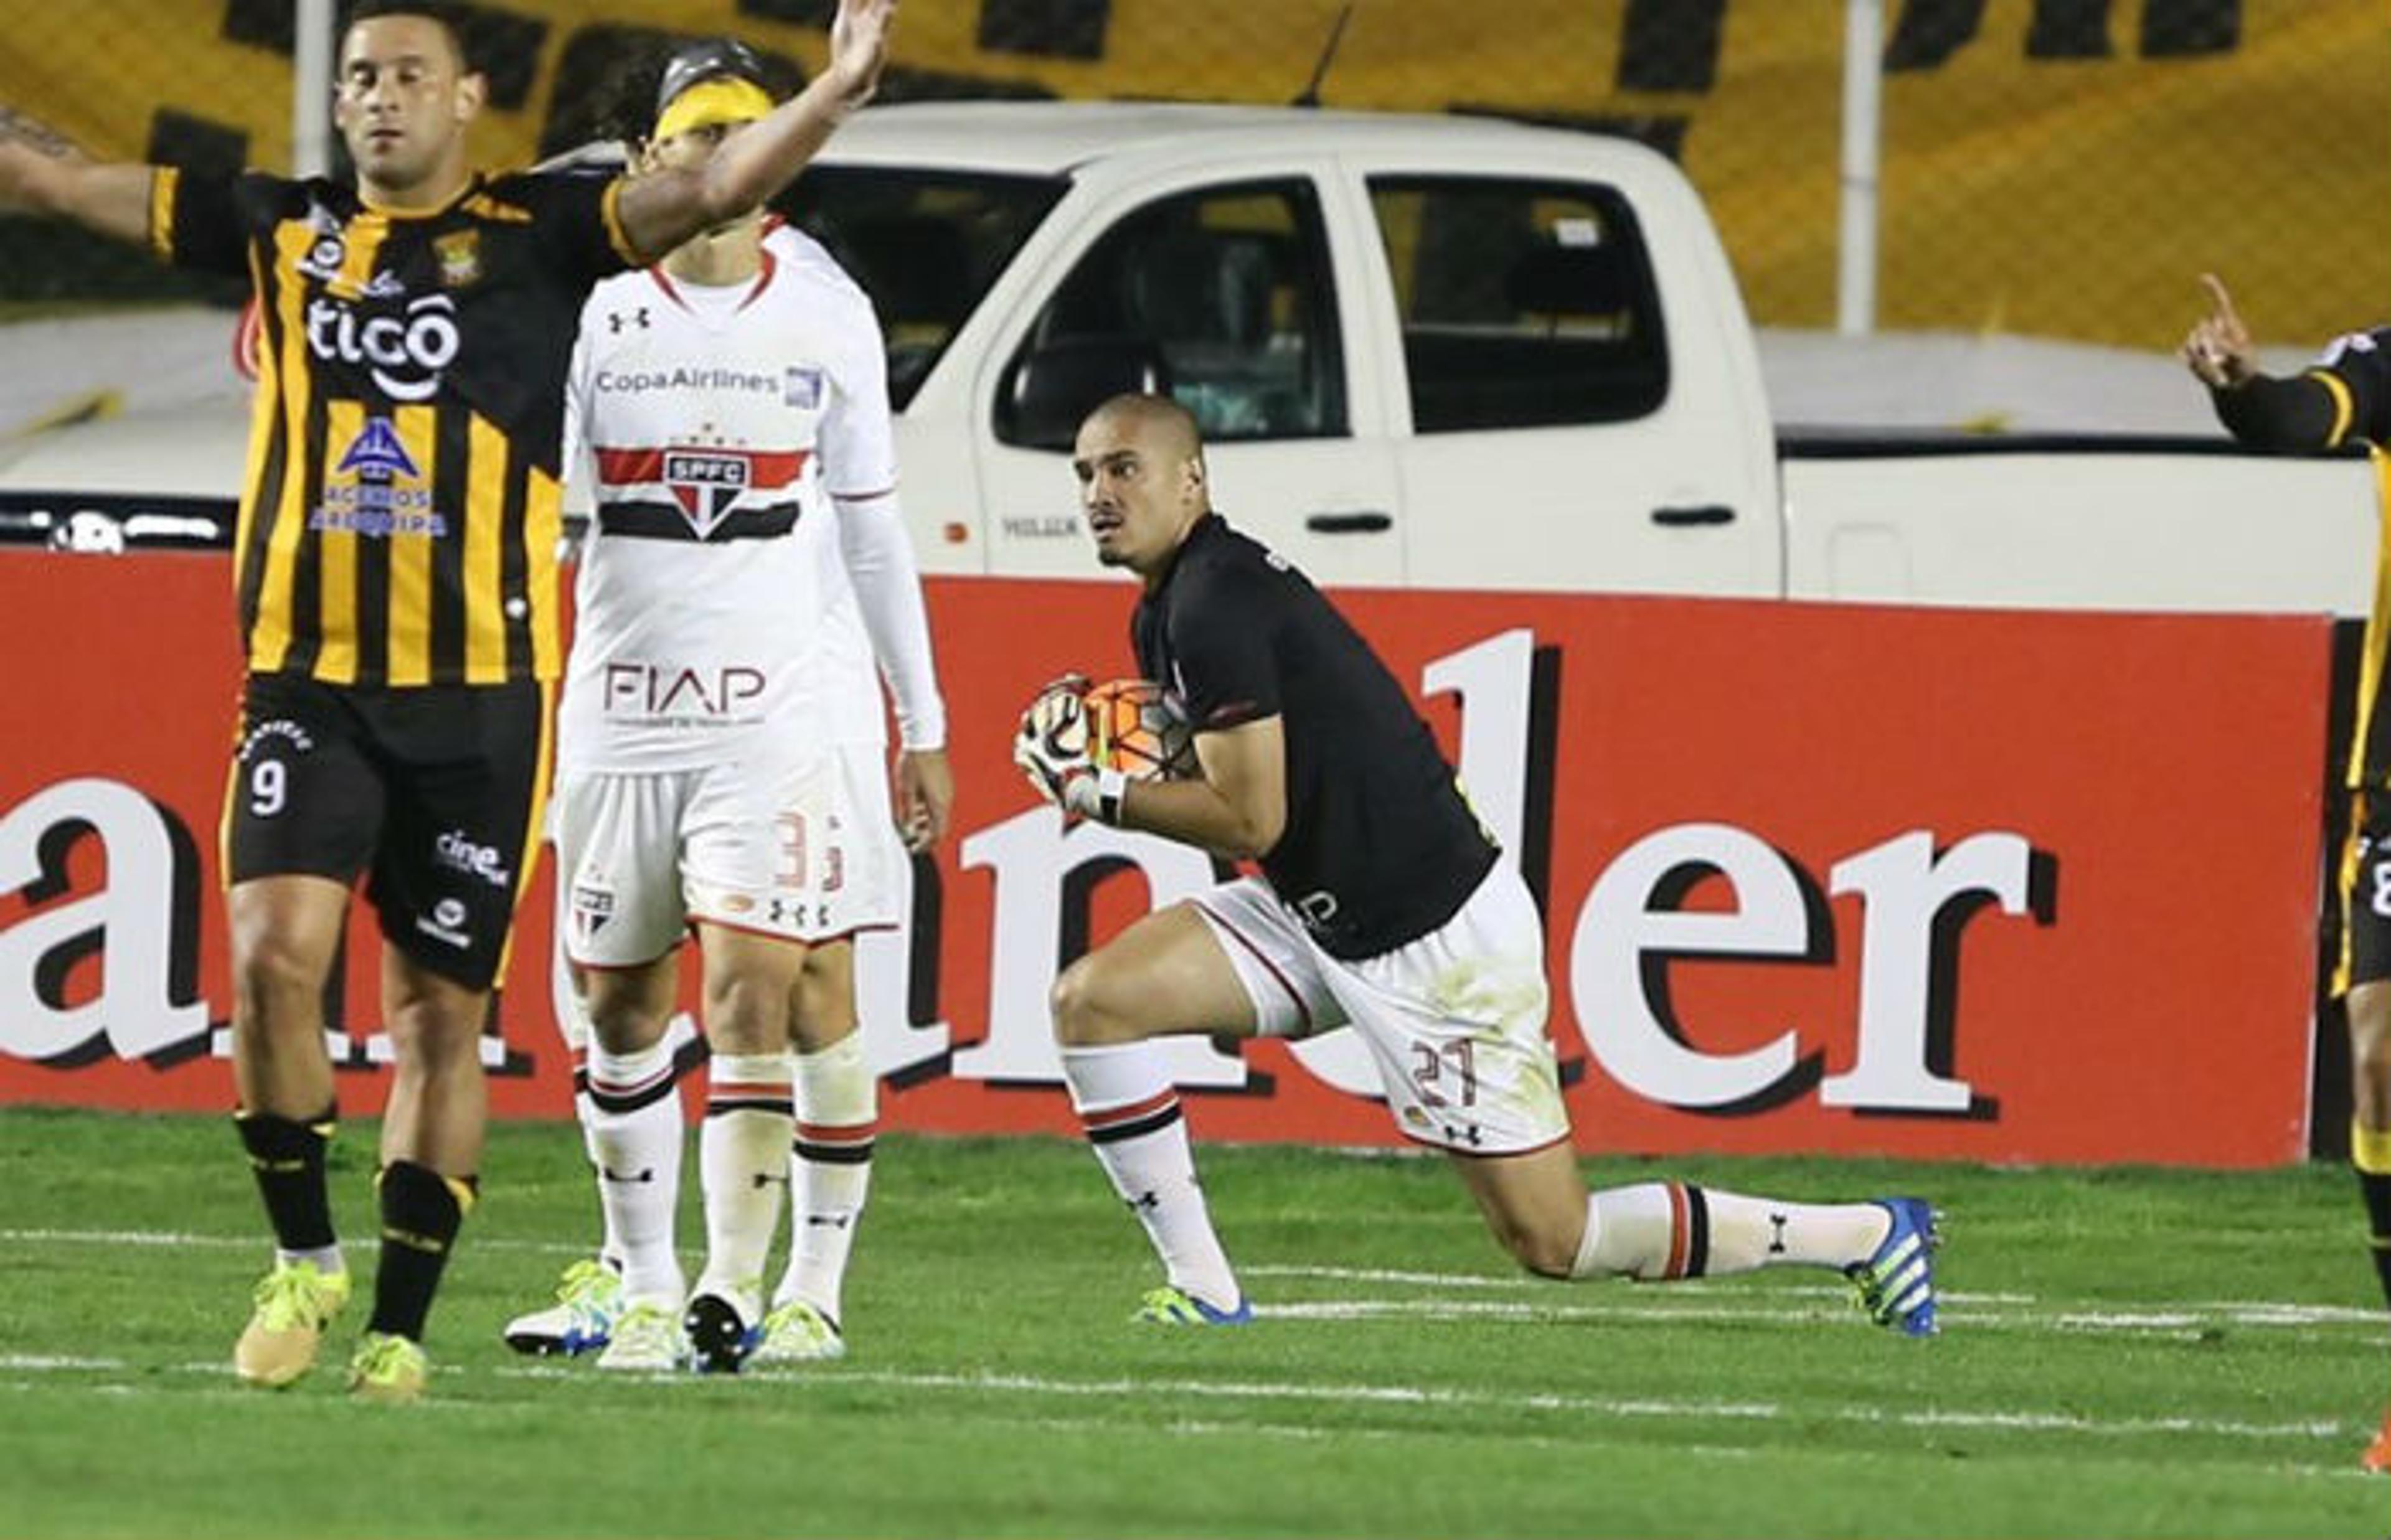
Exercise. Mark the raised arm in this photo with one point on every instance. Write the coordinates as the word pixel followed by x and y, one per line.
pixel 661 211
pixel 2300 412
pixel 55 181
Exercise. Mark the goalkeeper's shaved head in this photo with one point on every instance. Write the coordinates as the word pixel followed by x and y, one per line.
pixel 1160 420
pixel 1139 460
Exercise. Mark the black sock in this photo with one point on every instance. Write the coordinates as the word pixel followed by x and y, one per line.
pixel 420 1213
pixel 2375 1187
pixel 288 1158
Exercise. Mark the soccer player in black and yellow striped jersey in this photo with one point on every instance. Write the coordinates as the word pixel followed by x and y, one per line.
pixel 398 596
pixel 2345 397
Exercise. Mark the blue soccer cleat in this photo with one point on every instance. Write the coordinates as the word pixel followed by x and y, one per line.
pixel 1172 1307
pixel 1896 1284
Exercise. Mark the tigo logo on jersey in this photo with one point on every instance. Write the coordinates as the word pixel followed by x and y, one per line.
pixel 406 352
pixel 803 387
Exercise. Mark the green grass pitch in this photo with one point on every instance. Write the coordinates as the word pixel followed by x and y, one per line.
pixel 2124 1354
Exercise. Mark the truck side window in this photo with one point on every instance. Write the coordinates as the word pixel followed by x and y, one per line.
pixel 1524 304
pixel 1223 297
pixel 925 245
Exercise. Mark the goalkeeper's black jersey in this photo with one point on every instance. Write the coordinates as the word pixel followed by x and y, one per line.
pixel 399 522
pixel 1379 847
pixel 2343 398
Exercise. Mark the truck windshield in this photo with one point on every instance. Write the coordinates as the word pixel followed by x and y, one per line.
pixel 926 245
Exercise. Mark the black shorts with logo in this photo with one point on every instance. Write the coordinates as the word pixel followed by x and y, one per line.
pixel 433 792
pixel 2365 894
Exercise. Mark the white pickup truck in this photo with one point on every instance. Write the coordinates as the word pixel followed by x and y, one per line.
pixel 1433 352
pixel 1455 352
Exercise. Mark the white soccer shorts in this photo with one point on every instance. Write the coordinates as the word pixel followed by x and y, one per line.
pixel 1454 1022
pixel 804 850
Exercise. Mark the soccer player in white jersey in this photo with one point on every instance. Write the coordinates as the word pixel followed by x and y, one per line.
pixel 720 761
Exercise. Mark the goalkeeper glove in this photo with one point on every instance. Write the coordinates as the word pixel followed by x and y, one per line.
pixel 1052 748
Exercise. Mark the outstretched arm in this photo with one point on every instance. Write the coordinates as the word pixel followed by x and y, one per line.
pixel 54 180
pixel 662 209
pixel 2302 412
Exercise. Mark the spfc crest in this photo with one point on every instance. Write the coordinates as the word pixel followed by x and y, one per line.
pixel 592 907
pixel 706 483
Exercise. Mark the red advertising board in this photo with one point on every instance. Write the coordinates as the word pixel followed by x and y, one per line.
pixel 1990 885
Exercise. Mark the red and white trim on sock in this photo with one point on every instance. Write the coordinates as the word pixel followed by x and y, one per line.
pixel 1149 1115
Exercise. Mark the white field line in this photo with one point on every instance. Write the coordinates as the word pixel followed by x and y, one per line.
pixel 1700 1300
pixel 260 1242
pixel 1999 1420
pixel 2010 1420
pixel 2182 1324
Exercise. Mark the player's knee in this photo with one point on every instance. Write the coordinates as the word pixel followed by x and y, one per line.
pixel 2370 1053
pixel 1544 1253
pixel 622 1023
pixel 271 973
pixel 747 1016
pixel 437 1030
pixel 1083 1018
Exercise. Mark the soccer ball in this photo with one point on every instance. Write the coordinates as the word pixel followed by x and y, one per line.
pixel 1139 728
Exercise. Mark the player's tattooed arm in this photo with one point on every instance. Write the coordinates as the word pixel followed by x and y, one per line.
pixel 41 172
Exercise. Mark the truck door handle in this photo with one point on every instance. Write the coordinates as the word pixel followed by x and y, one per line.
pixel 1364 522
pixel 1699 513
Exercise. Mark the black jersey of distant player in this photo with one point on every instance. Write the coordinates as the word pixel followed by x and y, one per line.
pixel 1379 848
pixel 399 521
pixel 2356 370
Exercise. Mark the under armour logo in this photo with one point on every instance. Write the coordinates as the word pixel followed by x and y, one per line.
pixel 765 1178
pixel 614 322
pixel 1465 1134
pixel 611 1174
pixel 1148 1200
pixel 833 1221
pixel 1776 1235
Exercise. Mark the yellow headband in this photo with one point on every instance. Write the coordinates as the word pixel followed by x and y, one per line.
pixel 723 99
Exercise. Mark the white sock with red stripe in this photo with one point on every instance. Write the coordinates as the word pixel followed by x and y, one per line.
pixel 1667 1230
pixel 1124 1101
pixel 634 1136
pixel 573 1025
pixel 744 1155
pixel 830 1165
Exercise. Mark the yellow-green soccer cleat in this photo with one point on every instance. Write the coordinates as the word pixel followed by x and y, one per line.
pixel 1170 1306
pixel 388 1369
pixel 295 1302
pixel 646 1340
pixel 798 1333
